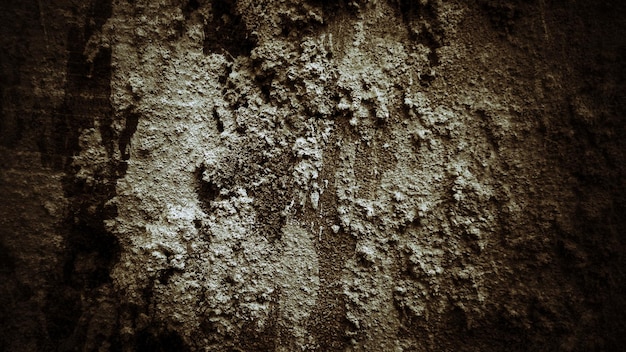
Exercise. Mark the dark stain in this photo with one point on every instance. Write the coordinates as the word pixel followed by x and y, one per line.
pixel 218 122
pixel 424 26
pixel 12 126
pixel 160 341
pixel 7 261
pixel 17 119
pixel 132 120
pixel 191 7
pixel 334 9
pixel 63 311
pixel 166 275
pixel 8 291
pixel 503 14
pixel 226 32
pixel 91 251
pixel 328 320
pixel 270 198
pixel 207 191
pixel 261 341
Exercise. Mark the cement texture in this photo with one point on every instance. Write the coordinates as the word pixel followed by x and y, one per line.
pixel 368 175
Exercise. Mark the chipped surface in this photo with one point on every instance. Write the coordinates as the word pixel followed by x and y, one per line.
pixel 308 175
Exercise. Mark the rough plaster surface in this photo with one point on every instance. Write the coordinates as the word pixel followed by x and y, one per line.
pixel 372 175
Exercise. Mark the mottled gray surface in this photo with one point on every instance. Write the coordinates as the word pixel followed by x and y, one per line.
pixel 372 175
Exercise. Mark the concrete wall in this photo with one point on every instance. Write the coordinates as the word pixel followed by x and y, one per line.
pixel 370 175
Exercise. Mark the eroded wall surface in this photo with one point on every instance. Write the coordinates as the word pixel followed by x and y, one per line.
pixel 370 175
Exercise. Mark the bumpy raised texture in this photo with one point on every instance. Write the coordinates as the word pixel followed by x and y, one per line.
pixel 371 175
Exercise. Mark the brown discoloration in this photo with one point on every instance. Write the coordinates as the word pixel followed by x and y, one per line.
pixel 328 321
pixel 311 175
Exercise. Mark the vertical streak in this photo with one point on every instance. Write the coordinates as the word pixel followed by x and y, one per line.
pixel 43 23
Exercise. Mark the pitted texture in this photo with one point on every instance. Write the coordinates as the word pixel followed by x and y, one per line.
pixel 372 175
